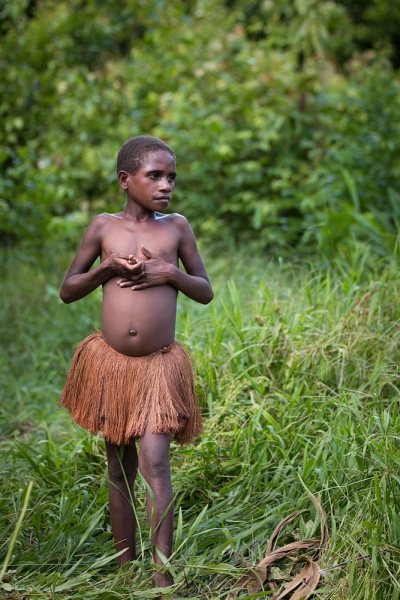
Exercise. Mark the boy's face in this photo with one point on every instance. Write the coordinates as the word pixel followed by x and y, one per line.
pixel 152 186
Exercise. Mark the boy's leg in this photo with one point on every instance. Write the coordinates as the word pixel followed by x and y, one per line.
pixel 155 468
pixel 122 470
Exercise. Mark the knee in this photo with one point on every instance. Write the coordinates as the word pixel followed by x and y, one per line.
pixel 154 465
pixel 120 475
pixel 121 471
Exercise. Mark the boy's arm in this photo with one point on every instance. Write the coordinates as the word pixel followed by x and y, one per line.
pixel 80 279
pixel 194 283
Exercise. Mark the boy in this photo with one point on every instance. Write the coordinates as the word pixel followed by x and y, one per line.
pixel 133 380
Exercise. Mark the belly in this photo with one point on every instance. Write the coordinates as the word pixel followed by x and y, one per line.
pixel 138 322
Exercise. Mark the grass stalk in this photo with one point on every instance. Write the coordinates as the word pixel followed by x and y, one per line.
pixel 16 531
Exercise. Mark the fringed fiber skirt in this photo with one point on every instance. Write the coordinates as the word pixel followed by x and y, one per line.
pixel 113 393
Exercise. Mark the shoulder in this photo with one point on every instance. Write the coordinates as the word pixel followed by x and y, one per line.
pixel 102 220
pixel 186 236
pixel 105 217
pixel 181 226
pixel 177 220
pixel 97 228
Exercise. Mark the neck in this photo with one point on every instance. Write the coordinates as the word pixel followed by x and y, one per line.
pixel 136 213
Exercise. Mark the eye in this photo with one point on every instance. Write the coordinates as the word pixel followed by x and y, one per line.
pixel 154 175
pixel 171 178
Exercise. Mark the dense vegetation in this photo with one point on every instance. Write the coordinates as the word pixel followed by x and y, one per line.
pixel 284 115
pixel 297 372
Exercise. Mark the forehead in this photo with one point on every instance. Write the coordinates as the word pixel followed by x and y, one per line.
pixel 159 160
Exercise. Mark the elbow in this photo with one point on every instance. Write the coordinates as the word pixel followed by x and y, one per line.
pixel 207 298
pixel 65 296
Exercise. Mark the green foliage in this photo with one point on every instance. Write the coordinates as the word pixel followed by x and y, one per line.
pixel 278 138
pixel 297 375
pixel 374 25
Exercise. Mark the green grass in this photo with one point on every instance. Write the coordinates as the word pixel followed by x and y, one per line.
pixel 297 370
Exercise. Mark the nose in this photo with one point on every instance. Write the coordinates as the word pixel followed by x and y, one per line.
pixel 165 184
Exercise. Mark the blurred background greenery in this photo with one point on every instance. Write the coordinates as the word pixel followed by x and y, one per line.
pixel 285 118
pixel 284 115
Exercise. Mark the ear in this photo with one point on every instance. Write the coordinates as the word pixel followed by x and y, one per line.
pixel 123 179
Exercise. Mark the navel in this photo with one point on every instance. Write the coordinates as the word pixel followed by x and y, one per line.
pixel 132 332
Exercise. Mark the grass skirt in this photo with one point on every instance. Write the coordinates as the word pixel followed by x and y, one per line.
pixel 110 392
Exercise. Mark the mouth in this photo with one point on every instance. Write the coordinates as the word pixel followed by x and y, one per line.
pixel 166 198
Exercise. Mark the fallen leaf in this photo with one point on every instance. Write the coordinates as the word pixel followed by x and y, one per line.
pixel 306 581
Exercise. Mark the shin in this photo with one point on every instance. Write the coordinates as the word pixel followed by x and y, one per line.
pixel 122 470
pixel 155 468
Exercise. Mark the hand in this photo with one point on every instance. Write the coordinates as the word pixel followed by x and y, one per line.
pixel 155 271
pixel 127 266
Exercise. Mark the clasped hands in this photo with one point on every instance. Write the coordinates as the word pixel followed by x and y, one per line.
pixel 142 273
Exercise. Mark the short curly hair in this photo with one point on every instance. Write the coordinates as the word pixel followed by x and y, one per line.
pixel 133 153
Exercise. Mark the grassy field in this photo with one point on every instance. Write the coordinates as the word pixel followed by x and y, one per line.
pixel 297 370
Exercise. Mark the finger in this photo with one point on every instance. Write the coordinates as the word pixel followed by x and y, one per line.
pixel 146 252
pixel 140 286
pixel 122 283
pixel 136 268
pixel 132 277
pixel 138 276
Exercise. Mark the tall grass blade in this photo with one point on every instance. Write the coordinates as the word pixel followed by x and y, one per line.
pixel 16 531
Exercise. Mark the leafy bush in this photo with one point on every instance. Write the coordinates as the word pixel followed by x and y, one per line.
pixel 275 142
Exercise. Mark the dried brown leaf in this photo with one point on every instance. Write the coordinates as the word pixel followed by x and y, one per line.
pixel 253 581
pixel 306 581
pixel 287 550
pixel 276 533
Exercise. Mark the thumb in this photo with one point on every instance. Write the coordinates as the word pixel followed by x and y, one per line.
pixel 146 252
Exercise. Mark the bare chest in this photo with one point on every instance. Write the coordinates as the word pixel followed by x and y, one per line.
pixel 128 238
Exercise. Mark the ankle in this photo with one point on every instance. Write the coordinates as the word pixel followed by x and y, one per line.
pixel 162 580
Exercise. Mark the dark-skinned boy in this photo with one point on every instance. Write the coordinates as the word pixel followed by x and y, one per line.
pixel 139 249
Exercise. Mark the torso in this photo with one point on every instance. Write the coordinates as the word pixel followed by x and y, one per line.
pixel 139 322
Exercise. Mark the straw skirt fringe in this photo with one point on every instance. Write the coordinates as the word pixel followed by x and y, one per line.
pixel 113 393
